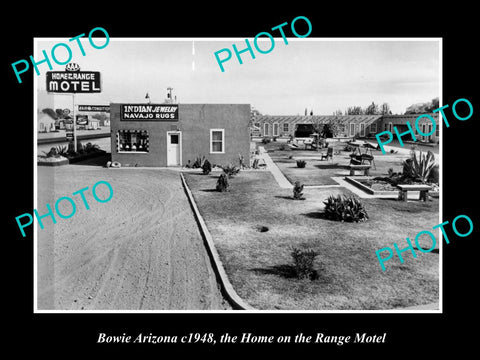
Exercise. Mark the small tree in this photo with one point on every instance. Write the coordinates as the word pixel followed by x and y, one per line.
pixel 206 167
pixel 222 183
pixel 297 191
pixel 303 262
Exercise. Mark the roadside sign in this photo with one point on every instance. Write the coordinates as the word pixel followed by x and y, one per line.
pixel 73 82
pixel 99 108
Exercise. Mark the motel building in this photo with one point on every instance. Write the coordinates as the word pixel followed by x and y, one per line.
pixel 159 135
pixel 351 126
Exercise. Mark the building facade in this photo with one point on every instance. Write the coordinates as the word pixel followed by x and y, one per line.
pixel 359 126
pixel 176 134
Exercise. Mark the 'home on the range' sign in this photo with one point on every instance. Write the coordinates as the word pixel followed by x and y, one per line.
pixel 149 112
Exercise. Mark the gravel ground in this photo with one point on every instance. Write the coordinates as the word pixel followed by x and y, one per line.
pixel 140 250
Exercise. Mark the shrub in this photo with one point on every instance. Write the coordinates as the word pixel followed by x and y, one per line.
pixel 290 156
pixel 89 147
pixel 301 163
pixel 303 260
pixel 349 148
pixel 198 163
pixel 265 140
pixel 275 138
pixel 297 191
pixel 206 167
pixel 62 150
pixel 283 147
pixel 345 208
pixel 52 153
pixel 419 169
pixel 222 183
pixel 230 170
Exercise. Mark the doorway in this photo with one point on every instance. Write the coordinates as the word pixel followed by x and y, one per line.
pixel 174 148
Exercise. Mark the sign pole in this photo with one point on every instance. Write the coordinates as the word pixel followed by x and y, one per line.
pixel 74 125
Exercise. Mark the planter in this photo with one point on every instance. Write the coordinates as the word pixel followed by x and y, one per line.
pixel 86 156
pixel 65 161
pixel 59 162
pixel 359 182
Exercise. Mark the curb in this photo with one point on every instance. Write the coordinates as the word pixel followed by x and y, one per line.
pixel 227 289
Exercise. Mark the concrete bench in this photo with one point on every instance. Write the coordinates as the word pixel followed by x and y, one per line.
pixel 404 189
pixel 365 168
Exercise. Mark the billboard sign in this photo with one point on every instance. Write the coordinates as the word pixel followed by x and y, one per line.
pixel 99 108
pixel 149 112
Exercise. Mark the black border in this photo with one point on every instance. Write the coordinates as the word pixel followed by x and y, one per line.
pixel 408 334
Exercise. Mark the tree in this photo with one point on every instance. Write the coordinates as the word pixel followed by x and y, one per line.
pixel 337 113
pixel 434 104
pixel 354 110
pixel 330 129
pixel 50 112
pixel 99 116
pixel 371 109
pixel 385 109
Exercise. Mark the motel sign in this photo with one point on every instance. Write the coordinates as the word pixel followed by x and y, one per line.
pixel 73 81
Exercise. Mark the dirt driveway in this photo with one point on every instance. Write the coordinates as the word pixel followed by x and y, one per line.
pixel 140 250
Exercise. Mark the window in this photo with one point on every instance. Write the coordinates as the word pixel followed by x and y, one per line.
pixel 132 141
pixel 217 140
pixel 174 139
pixel 266 130
pixel 362 130
pixel 285 127
pixel 275 129
pixel 373 128
pixel 352 129
pixel 257 125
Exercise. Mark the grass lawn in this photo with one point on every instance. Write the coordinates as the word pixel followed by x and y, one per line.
pixel 259 264
pixel 320 172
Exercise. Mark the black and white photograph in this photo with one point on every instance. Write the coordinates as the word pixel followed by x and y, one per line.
pixel 261 188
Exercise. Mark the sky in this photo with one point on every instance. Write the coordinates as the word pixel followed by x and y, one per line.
pixel 322 75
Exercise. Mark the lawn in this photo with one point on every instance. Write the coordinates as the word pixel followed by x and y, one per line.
pixel 259 264
pixel 320 172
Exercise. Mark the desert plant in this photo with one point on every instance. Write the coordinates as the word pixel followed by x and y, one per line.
pixel 52 153
pixel 222 183
pixel 297 191
pixel 418 169
pixel 198 163
pixel 345 208
pixel 303 262
pixel 301 163
pixel 89 147
pixel 230 170
pixel 62 150
pixel 206 167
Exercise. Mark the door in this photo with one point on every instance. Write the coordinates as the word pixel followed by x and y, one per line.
pixel 173 148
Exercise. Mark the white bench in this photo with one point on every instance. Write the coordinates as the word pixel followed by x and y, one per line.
pixel 404 189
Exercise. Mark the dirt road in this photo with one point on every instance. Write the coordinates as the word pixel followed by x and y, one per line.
pixel 140 250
